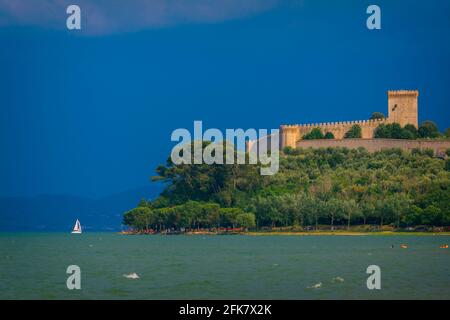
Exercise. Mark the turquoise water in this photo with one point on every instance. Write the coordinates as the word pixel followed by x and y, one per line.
pixel 33 265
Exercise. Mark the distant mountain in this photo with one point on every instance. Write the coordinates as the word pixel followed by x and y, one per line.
pixel 59 212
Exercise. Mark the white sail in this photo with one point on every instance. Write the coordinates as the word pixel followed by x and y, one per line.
pixel 77 227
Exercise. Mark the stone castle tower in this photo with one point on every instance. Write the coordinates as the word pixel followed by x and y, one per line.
pixel 402 109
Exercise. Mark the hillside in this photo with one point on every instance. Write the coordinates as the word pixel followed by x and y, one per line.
pixel 332 186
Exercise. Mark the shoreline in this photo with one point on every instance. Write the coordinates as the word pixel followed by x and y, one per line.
pixel 304 233
pixel 348 233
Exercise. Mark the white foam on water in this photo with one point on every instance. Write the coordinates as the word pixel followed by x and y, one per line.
pixel 133 275
pixel 338 279
pixel 315 286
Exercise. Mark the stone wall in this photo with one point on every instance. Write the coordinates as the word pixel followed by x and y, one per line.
pixel 292 133
pixel 372 145
pixel 402 109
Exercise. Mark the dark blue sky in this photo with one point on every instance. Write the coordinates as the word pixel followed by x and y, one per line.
pixel 92 115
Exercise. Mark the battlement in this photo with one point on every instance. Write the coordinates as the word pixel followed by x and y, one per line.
pixel 392 93
pixel 332 124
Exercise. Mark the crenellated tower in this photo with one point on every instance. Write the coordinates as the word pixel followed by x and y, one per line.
pixel 403 107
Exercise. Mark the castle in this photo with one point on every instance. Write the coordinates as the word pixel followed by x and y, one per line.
pixel 402 109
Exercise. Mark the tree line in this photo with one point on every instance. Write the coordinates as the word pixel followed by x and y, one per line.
pixel 190 215
pixel 314 187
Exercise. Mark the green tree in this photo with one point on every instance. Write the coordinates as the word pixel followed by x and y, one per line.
pixel 351 211
pixel 383 132
pixel 410 132
pixel 397 206
pixel 428 129
pixel 367 209
pixel 246 220
pixel 354 132
pixel 383 211
pixel 329 135
pixel 212 214
pixel 413 215
pixel 140 218
pixel 229 216
pixel 191 214
pixel 447 132
pixel 395 131
pixel 432 215
pixel 129 217
pixel 335 210
pixel 315 133
pixel 316 209
pixel 377 115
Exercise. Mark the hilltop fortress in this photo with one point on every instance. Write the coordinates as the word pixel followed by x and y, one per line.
pixel 402 109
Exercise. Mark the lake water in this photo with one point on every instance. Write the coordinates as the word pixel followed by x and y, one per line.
pixel 33 266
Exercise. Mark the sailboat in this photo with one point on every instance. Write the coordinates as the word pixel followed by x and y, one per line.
pixel 77 227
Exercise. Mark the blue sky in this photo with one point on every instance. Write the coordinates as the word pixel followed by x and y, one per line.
pixel 91 113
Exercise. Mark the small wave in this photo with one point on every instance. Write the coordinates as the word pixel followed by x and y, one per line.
pixel 315 286
pixel 338 279
pixel 133 275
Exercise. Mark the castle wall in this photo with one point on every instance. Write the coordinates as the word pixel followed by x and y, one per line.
pixel 291 134
pixel 372 145
pixel 402 109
